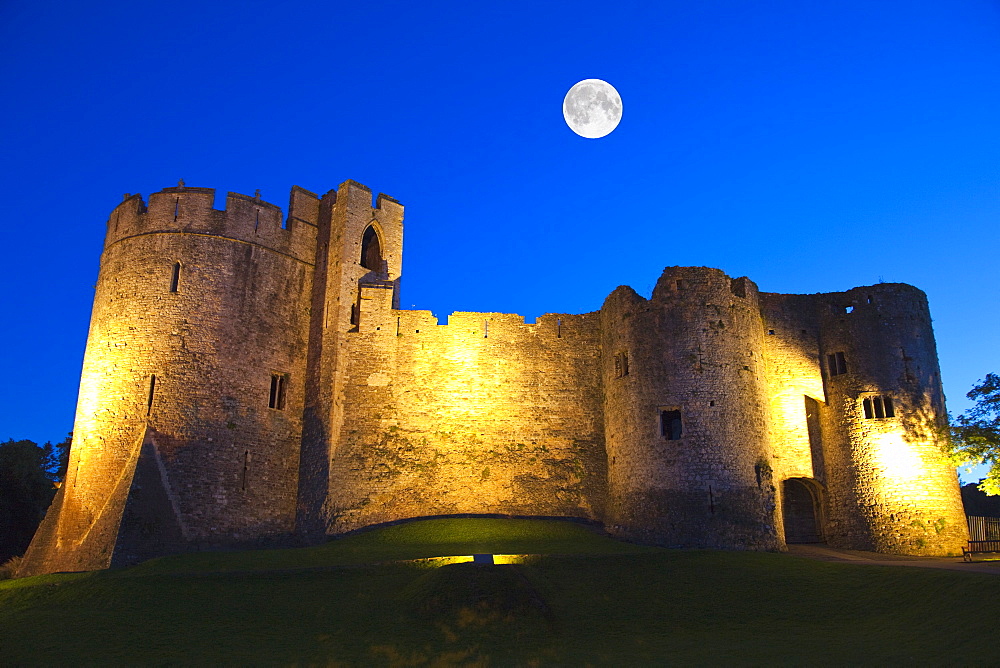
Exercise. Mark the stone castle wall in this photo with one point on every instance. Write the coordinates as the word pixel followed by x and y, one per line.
pixel 694 351
pixel 890 487
pixel 709 415
pixel 486 414
pixel 194 309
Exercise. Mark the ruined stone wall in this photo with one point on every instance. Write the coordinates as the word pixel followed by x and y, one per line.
pixel 792 367
pixel 388 415
pixel 696 347
pixel 345 214
pixel 796 396
pixel 211 303
pixel 891 488
pixel 486 414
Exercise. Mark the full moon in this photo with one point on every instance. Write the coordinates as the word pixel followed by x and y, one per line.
pixel 592 108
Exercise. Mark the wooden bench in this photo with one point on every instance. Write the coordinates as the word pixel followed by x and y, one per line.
pixel 980 547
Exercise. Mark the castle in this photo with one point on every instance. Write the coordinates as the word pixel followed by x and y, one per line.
pixel 250 380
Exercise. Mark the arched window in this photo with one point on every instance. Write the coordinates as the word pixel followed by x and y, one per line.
pixel 371 250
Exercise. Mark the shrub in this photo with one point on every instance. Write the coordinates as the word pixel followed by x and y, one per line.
pixel 8 569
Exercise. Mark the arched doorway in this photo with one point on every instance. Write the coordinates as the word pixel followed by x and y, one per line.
pixel 800 508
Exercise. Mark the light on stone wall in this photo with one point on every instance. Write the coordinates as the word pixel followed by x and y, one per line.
pixel 896 458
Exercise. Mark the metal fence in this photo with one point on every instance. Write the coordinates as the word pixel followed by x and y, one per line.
pixel 983 528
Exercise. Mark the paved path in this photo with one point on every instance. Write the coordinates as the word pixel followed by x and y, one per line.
pixel 825 553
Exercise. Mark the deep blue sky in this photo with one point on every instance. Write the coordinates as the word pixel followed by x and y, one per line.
pixel 812 146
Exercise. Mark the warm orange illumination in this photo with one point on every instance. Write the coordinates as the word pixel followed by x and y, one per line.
pixel 437 562
pixel 896 458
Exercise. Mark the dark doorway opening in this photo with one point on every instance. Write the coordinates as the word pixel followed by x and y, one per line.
pixel 801 511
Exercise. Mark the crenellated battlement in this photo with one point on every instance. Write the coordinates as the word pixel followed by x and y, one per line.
pixel 249 219
pixel 249 375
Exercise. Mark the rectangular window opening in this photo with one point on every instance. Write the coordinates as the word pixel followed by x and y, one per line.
pixel 558 328
pixel 837 363
pixel 256 222
pixel 276 400
pixel 670 424
pixel 621 364
pixel 177 207
pixel 878 407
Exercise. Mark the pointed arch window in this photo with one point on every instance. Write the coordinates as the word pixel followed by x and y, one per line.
pixel 371 250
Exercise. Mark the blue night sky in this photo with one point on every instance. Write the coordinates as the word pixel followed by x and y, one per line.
pixel 812 146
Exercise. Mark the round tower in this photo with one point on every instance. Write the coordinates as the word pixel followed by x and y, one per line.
pixel 190 399
pixel 892 489
pixel 685 413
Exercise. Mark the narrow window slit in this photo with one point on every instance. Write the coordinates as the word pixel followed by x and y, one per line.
pixel 175 278
pixel 558 328
pixel 276 399
pixel 152 392
pixel 177 207
pixel 877 405
pixel 246 465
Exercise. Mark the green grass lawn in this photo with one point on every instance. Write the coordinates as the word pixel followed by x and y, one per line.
pixel 589 601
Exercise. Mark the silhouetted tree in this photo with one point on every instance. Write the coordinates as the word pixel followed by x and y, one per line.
pixel 57 458
pixel 25 493
pixel 977 502
pixel 975 434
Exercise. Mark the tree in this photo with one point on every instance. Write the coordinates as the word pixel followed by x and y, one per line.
pixel 57 458
pixel 25 494
pixel 978 503
pixel 975 434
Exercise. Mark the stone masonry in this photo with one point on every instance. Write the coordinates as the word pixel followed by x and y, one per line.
pixel 250 380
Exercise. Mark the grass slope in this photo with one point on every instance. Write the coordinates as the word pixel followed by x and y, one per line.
pixel 592 601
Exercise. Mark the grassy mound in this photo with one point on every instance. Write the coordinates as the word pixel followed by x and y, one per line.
pixel 410 540
pixel 592 601
pixel 478 596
